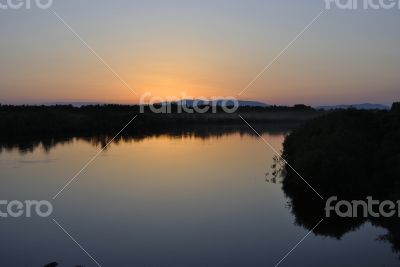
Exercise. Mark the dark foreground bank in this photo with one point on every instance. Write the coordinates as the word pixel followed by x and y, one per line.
pixel 349 154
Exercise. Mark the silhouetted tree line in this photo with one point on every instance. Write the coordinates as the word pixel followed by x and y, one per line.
pixel 66 120
pixel 351 154
pixel 363 145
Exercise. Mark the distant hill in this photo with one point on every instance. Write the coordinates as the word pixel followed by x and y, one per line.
pixel 252 104
pixel 190 103
pixel 366 106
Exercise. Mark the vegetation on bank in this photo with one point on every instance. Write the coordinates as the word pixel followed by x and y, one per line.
pixel 349 147
pixel 350 154
pixel 20 121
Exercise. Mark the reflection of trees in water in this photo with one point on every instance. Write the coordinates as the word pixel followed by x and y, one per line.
pixel 348 154
pixel 29 144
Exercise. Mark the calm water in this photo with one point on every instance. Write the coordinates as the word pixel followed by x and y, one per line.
pixel 164 201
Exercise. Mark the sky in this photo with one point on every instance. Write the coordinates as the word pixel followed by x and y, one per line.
pixel 208 48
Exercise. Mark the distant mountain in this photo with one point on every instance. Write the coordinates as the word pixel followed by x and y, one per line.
pixel 367 106
pixel 191 102
pixel 253 104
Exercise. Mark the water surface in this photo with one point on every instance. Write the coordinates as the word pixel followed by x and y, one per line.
pixel 166 201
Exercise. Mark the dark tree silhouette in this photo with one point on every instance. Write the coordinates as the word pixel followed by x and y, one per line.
pixel 349 154
pixel 59 121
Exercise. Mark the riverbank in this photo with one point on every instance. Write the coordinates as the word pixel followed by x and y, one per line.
pixel 26 121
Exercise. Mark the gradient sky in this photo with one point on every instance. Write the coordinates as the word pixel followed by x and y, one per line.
pixel 203 48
